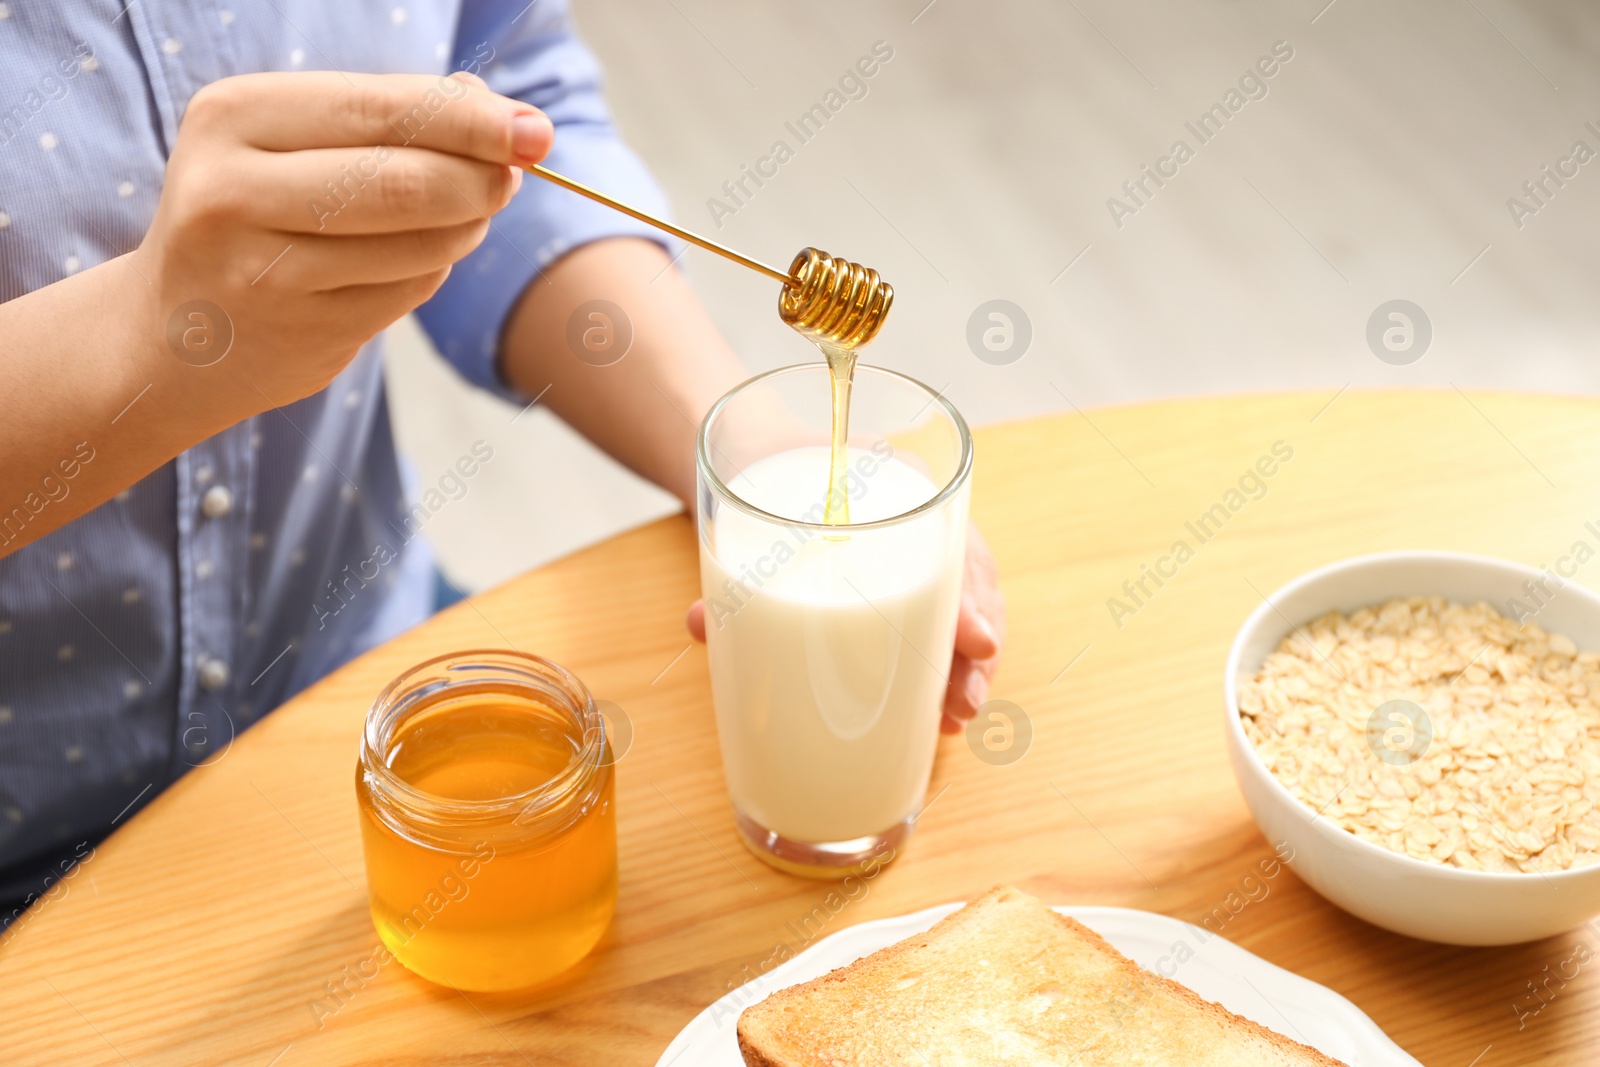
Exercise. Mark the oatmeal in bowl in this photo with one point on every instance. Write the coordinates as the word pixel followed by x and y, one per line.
pixel 1443 731
pixel 1425 734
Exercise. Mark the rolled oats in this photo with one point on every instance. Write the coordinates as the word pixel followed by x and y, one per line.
pixel 1507 780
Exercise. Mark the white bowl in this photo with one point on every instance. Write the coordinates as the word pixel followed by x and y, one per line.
pixel 1392 890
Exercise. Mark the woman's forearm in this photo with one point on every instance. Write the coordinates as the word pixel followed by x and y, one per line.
pixel 645 408
pixel 90 399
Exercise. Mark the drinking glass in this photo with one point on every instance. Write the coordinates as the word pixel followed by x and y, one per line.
pixel 830 644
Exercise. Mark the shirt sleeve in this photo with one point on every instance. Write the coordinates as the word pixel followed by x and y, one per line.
pixel 535 56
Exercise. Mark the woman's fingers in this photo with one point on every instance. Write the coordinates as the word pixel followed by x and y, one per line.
pixel 696 620
pixel 968 689
pixel 317 263
pixel 368 190
pixel 471 79
pixel 975 634
pixel 382 303
pixel 333 109
pixel 981 627
pixel 980 633
pixel 956 710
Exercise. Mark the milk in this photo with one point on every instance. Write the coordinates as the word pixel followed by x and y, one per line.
pixel 829 650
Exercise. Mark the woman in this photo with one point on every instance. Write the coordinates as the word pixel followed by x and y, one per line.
pixel 207 216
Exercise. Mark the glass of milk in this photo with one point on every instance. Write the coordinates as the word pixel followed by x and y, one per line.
pixel 830 645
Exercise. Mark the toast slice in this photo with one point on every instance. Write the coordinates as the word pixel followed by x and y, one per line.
pixel 1005 980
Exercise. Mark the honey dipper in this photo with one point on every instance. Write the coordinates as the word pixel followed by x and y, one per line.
pixel 830 301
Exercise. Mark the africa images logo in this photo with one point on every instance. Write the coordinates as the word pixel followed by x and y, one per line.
pixel 200 333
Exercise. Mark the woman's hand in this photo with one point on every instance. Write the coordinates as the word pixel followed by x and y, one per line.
pixel 314 209
pixel 980 631
pixel 300 215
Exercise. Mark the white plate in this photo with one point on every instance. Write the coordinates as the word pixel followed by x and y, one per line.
pixel 1219 970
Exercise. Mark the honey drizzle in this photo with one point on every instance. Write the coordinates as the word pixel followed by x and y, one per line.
pixel 841 370
pixel 840 306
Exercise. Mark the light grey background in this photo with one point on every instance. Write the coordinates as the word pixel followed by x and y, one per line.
pixel 978 167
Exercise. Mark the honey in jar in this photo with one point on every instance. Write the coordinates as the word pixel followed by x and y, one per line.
pixel 486 794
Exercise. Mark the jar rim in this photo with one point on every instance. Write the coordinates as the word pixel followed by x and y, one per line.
pixel 502 666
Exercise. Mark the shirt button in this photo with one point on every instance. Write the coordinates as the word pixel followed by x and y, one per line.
pixel 217 502
pixel 213 674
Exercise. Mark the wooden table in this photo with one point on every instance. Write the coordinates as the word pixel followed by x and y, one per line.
pixel 204 929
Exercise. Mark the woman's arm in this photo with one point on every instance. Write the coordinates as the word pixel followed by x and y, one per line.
pixel 644 409
pixel 300 215
pixel 89 405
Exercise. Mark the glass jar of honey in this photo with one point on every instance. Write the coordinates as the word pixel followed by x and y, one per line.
pixel 485 785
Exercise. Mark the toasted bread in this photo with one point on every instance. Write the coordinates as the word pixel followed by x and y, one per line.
pixel 1005 980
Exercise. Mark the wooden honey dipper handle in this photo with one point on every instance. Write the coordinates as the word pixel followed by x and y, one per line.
pixel 660 224
pixel 826 299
